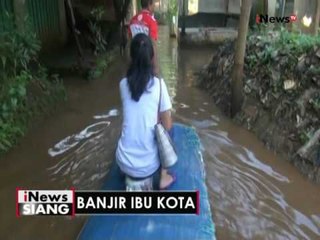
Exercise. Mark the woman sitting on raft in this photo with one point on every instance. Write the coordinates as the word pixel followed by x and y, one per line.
pixel 137 151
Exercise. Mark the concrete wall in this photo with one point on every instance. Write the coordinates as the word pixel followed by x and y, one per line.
pixel 219 6
pixel 209 20
pixel 234 6
pixel 272 4
pixel 208 37
pixel 212 6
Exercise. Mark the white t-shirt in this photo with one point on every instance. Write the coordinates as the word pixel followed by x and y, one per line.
pixel 137 151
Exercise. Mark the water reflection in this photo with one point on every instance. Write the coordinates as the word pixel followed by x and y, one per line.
pixel 248 193
pixel 72 141
pixel 92 152
pixel 168 61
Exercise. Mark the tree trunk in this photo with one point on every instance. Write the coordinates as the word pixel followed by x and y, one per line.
pixel 226 13
pixel 75 31
pixel 134 7
pixel 237 72
pixel 183 25
pixel 121 9
pixel 317 18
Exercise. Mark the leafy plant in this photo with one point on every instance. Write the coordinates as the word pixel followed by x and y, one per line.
pixel 281 42
pixel 315 102
pixel 306 134
pixel 102 63
pixel 20 71
pixel 18 49
pixel 97 39
pixel 172 10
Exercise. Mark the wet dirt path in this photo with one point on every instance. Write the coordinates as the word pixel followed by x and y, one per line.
pixel 253 194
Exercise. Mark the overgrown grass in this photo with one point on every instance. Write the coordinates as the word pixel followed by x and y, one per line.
pixel 102 62
pixel 279 52
pixel 281 42
pixel 276 57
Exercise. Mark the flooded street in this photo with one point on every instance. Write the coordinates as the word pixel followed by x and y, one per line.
pixel 253 194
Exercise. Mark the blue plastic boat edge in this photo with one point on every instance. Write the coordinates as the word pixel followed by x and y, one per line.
pixel 190 174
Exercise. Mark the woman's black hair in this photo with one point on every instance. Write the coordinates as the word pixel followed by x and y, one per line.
pixel 141 68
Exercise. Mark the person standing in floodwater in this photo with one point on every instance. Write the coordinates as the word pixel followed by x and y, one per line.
pixel 144 22
pixel 137 151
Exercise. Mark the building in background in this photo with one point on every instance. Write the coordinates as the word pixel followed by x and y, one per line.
pixel 209 13
pixel 304 10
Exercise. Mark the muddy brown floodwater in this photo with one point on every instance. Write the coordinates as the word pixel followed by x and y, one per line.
pixel 253 194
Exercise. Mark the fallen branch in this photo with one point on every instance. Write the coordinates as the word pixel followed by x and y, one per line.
pixel 305 149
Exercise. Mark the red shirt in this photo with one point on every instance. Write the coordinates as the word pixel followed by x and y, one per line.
pixel 144 22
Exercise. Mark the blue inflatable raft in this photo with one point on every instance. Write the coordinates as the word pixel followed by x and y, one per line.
pixel 190 176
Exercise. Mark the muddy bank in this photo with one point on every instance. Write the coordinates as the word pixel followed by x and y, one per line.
pixel 282 93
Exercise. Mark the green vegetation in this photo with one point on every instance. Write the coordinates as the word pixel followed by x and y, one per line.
pixel 315 102
pixel 102 62
pixel 172 10
pixel 97 38
pixel 281 90
pixel 25 89
pixel 103 55
pixel 288 65
pixel 289 62
pixel 291 44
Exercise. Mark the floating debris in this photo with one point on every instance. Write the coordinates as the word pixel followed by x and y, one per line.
pixel 289 84
pixel 111 113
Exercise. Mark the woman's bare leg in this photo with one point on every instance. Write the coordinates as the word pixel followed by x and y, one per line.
pixel 165 179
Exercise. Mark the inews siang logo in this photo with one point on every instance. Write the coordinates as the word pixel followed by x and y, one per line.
pixel 72 202
pixel 266 19
pixel 44 202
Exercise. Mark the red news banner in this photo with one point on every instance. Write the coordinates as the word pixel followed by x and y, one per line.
pixel 72 202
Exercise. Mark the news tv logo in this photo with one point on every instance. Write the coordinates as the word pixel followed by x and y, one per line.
pixel 267 19
pixel 71 202
pixel 45 202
